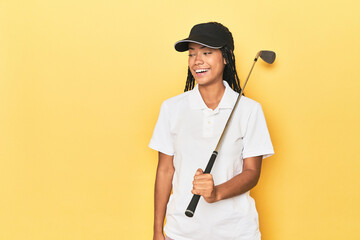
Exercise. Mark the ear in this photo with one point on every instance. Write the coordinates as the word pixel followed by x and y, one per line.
pixel 224 61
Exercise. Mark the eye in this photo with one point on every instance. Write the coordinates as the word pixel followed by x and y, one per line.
pixel 191 55
pixel 207 53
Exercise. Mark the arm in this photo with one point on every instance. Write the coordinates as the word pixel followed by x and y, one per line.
pixel 163 186
pixel 203 184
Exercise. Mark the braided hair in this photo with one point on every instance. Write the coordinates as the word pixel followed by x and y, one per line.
pixel 230 75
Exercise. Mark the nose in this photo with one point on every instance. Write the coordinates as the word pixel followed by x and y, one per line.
pixel 198 59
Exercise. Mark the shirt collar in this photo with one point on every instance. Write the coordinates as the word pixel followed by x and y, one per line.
pixel 227 100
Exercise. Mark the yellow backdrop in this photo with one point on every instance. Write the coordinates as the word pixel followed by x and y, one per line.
pixel 81 83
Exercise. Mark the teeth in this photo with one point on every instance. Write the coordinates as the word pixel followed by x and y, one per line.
pixel 201 70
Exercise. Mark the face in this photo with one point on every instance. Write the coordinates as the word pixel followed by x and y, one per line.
pixel 206 64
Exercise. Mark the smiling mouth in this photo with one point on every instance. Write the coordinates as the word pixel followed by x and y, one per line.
pixel 199 71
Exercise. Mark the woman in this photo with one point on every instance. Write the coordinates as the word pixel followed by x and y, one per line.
pixel 187 132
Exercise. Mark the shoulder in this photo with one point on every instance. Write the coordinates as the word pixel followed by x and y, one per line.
pixel 245 103
pixel 176 101
pixel 248 104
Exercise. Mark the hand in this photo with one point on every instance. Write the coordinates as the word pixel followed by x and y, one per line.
pixel 203 185
pixel 159 236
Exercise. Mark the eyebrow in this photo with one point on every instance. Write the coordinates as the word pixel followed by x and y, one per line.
pixel 200 47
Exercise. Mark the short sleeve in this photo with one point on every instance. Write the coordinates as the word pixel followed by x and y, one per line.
pixel 257 140
pixel 162 139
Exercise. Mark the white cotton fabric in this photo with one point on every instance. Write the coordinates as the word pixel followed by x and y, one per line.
pixel 189 130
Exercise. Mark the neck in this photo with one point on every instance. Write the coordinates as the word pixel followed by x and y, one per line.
pixel 212 94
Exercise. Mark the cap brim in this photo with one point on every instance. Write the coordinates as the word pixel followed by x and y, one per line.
pixel 183 45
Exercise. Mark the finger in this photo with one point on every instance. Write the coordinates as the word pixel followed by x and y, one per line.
pixel 203 188
pixel 194 191
pixel 203 182
pixel 206 176
pixel 199 171
pixel 203 185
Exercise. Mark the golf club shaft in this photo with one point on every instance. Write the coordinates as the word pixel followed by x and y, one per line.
pixel 237 100
pixel 195 199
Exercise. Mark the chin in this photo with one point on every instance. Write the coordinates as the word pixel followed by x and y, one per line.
pixel 202 83
pixel 205 82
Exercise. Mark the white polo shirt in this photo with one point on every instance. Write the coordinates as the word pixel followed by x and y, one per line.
pixel 189 130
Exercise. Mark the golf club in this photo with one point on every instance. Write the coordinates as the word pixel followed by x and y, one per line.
pixel 266 56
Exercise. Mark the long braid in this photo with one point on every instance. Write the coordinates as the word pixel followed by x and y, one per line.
pixel 189 81
pixel 230 74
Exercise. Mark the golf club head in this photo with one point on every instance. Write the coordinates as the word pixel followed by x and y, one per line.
pixel 268 56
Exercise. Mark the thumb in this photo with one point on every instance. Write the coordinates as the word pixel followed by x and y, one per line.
pixel 199 171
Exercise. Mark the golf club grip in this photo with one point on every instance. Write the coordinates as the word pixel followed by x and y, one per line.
pixel 195 199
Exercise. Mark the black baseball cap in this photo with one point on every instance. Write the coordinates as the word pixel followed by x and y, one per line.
pixel 211 34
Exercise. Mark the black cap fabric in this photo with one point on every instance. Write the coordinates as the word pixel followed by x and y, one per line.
pixel 212 35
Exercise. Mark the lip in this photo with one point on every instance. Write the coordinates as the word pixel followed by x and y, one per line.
pixel 202 73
